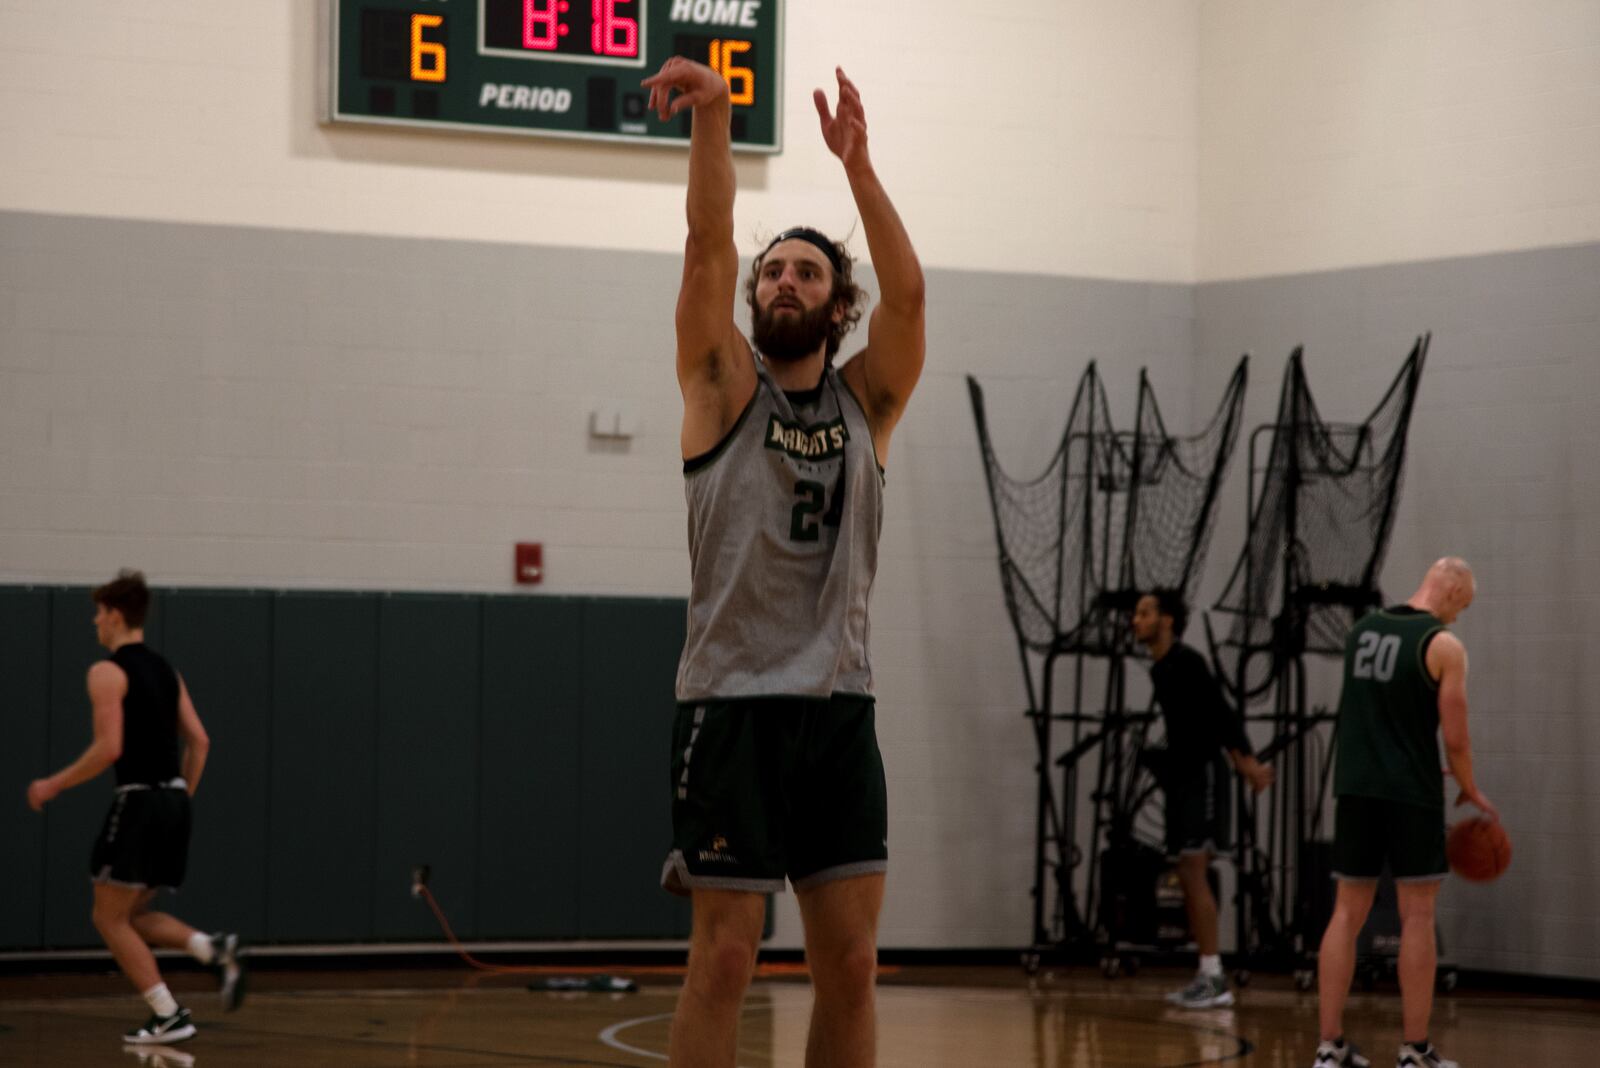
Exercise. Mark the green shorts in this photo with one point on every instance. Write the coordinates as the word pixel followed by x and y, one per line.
pixel 770 788
pixel 1369 832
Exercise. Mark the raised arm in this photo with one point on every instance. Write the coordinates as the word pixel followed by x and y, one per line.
pixel 107 686
pixel 715 368
pixel 886 371
pixel 1447 662
pixel 196 743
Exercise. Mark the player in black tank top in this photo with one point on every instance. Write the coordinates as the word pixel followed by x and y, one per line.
pixel 149 716
pixel 146 726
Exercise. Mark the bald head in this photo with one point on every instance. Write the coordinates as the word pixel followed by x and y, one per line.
pixel 1447 589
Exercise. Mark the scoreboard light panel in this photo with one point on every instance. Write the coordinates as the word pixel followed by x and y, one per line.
pixel 552 68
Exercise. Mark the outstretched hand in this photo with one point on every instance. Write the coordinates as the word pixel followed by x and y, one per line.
pixel 845 131
pixel 694 83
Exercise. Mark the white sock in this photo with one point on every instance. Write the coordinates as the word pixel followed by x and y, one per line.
pixel 160 1000
pixel 200 948
pixel 1211 966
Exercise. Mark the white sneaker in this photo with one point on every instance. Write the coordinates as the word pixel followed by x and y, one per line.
pixel 162 1030
pixel 1339 1055
pixel 1428 1058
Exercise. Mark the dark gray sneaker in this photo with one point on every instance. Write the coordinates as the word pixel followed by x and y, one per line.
pixel 230 969
pixel 1204 992
pixel 1339 1055
pixel 162 1030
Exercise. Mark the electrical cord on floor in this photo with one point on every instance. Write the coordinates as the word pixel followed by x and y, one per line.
pixel 598 982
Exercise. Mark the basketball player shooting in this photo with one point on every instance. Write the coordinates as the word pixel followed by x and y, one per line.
pixel 776 769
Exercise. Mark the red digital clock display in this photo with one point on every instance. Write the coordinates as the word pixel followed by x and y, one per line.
pixel 592 31
pixel 552 68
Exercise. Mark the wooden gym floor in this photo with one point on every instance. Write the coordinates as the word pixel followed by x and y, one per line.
pixel 928 1018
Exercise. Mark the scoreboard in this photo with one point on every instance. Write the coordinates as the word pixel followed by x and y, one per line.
pixel 553 68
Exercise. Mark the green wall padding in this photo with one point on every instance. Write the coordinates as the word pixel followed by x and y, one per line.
pixel 532 730
pixel 626 782
pixel 221 643
pixel 516 745
pixel 25 699
pixel 323 818
pixel 427 746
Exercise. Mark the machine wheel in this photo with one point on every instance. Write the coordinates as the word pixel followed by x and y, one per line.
pixel 1447 980
pixel 1030 962
pixel 1110 967
pixel 1242 977
pixel 1304 979
pixel 1130 966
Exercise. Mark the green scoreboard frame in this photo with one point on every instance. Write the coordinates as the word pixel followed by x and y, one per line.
pixel 550 68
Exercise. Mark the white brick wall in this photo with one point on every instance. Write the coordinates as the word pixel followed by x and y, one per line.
pixel 1058 137
pixel 1338 134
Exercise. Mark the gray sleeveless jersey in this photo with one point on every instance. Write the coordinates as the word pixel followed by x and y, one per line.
pixel 784 517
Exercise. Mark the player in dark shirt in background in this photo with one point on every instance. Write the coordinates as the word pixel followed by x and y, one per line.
pixel 141 709
pixel 1200 728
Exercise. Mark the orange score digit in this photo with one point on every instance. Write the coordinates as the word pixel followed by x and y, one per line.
pixel 427 57
pixel 722 56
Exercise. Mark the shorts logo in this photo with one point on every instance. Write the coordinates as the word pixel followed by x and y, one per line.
pixel 718 853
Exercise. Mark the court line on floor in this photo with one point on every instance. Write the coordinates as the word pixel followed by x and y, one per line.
pixel 226 1028
pixel 608 1036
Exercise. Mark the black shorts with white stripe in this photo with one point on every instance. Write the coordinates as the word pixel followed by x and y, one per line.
pixel 144 842
pixel 1199 810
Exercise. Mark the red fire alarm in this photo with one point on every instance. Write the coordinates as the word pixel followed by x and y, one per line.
pixel 530 562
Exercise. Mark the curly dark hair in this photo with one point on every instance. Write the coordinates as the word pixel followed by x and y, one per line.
pixel 845 290
pixel 128 594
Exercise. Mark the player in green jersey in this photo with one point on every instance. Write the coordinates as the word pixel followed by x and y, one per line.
pixel 1405 681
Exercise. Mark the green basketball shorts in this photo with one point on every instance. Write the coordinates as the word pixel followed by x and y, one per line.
pixel 1369 832
pixel 765 789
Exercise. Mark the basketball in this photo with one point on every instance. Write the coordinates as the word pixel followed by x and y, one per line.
pixel 1479 849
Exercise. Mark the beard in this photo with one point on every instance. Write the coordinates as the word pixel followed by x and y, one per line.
pixel 791 337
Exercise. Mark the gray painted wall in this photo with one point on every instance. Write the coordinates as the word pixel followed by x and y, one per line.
pixel 237 407
pixel 1502 470
pixel 227 406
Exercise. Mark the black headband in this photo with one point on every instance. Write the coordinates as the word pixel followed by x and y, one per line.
pixel 810 237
